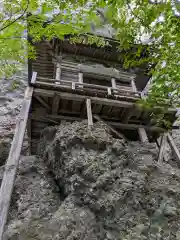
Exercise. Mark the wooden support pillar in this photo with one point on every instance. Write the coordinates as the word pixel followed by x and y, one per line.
pixel 73 86
pixel 143 135
pixel 133 85
pixel 80 75
pixel 134 88
pixel 56 99
pixel 13 158
pixel 113 82
pixel 158 147
pixel 89 113
pixel 109 91
pixel 58 72
pixel 162 148
pixel 173 147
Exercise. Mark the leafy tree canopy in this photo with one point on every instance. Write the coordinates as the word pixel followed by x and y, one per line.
pixel 134 21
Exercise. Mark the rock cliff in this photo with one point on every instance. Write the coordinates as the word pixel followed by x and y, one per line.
pixel 87 185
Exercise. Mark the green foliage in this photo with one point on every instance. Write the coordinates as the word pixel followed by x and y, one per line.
pixel 133 20
pixel 90 40
pixel 15 85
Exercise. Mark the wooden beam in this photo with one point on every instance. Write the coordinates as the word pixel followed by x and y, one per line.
pixel 109 91
pixel 73 85
pixel 162 148
pixel 113 83
pixel 43 102
pixel 116 124
pixel 80 79
pixel 77 97
pixel 58 71
pixel 131 126
pixel 54 118
pixel 133 86
pixel 158 143
pixel 173 147
pixel 143 135
pixel 111 129
pixel 89 113
pixel 56 98
pixel 13 159
pixel 43 119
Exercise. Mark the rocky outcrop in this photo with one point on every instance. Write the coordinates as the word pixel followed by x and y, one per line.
pixel 35 198
pixel 88 185
pixel 11 95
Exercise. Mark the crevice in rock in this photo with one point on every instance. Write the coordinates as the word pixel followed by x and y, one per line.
pixel 58 186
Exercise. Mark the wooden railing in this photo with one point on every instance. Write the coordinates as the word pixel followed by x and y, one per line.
pixel 72 85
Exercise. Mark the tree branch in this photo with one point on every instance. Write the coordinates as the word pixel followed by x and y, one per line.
pixel 18 18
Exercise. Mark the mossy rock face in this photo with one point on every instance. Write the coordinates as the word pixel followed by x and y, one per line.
pixel 88 185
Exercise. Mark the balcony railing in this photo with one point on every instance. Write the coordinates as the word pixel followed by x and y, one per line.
pixel 80 87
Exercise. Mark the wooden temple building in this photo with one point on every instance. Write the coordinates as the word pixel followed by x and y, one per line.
pixel 72 82
pixel 81 81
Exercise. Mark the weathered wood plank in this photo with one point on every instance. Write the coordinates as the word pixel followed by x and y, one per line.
pixel 115 124
pixel 143 135
pixel 173 147
pixel 54 118
pixel 73 86
pixel 43 102
pixel 113 82
pixel 13 159
pixel 49 82
pixel 58 71
pixel 81 79
pixel 70 96
pixel 119 135
pixel 56 99
pixel 158 147
pixel 162 148
pixel 89 113
pixel 133 86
